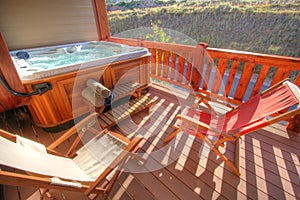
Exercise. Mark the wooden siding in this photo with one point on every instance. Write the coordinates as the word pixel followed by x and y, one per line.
pixel 35 23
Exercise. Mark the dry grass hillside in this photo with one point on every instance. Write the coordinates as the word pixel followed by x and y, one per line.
pixel 265 28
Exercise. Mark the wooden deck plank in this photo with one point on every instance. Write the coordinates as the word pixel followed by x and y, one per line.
pixel 275 197
pixel 152 183
pixel 173 182
pixel 175 173
pixel 269 160
pixel 120 192
pixel 135 188
pixel 12 192
pixel 257 173
pixel 269 155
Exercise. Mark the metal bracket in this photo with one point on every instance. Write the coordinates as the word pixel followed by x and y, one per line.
pixel 41 88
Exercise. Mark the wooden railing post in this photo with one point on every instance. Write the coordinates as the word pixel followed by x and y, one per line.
pixel 199 58
pixel 101 19
pixel 139 42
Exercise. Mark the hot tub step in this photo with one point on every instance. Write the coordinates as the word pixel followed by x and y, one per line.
pixel 120 92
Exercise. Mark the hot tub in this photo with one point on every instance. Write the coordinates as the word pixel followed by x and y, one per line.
pixel 49 61
pixel 66 69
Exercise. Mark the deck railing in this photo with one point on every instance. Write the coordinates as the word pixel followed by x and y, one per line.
pixel 234 75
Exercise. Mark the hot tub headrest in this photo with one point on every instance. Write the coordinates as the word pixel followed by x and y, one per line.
pixel 98 88
pixel 92 97
pixel 22 55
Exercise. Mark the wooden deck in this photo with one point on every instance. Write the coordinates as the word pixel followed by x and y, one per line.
pixel 269 160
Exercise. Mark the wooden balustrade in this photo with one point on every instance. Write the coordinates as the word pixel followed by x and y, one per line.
pixel 255 72
pixel 234 75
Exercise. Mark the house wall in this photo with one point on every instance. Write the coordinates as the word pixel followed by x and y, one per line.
pixel 35 23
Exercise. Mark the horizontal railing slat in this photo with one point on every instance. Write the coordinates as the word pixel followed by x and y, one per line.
pixel 260 80
pixel 221 67
pixel 180 70
pixel 166 63
pixel 281 74
pixel 230 80
pixel 272 60
pixel 173 66
pixel 189 67
pixel 244 81
pixel 153 61
pixel 159 62
pixel 297 80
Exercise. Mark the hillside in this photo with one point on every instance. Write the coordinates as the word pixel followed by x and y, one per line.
pixel 263 28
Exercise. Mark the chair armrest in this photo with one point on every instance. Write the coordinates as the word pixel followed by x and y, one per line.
pixel 197 123
pixel 8 135
pixel 71 131
pixel 201 98
pixel 214 98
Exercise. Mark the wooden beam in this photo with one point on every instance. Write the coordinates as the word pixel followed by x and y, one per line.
pixel 10 75
pixel 101 19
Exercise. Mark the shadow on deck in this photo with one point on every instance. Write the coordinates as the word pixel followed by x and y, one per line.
pixel 184 169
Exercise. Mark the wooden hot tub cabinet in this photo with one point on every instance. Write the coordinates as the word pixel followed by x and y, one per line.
pixel 56 108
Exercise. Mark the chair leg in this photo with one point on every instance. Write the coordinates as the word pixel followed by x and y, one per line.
pixel 172 135
pixel 46 195
pixel 148 110
pixel 237 154
pixel 225 159
pixel 216 150
pixel 207 141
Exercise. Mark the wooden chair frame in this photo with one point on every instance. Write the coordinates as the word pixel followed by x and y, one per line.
pixel 92 190
pixel 189 122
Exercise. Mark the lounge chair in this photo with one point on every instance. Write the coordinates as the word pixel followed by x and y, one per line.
pixel 279 102
pixel 92 169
